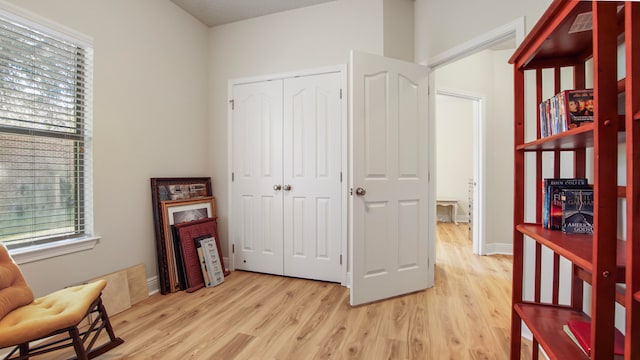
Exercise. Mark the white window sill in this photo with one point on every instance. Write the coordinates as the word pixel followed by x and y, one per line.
pixel 40 252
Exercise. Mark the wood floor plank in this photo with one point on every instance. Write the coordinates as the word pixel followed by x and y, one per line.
pixel 263 317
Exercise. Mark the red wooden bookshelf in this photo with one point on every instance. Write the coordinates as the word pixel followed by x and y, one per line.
pixel 600 259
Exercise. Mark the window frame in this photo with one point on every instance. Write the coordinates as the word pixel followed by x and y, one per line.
pixel 58 246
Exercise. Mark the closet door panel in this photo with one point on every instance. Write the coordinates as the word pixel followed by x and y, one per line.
pixel 256 222
pixel 312 164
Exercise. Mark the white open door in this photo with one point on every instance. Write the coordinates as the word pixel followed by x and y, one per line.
pixel 389 179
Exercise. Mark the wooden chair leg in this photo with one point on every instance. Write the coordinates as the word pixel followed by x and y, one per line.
pixel 24 351
pixel 78 345
pixel 106 325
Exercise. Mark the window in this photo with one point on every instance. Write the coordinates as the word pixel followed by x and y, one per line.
pixel 45 135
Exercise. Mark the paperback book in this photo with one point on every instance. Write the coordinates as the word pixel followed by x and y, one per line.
pixel 552 203
pixel 577 211
pixel 580 333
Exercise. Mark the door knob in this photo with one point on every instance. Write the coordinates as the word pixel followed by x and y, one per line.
pixel 287 187
pixel 360 191
pixel 277 187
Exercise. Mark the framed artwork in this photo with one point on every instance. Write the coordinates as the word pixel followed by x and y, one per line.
pixel 174 188
pixel 177 212
pixel 201 269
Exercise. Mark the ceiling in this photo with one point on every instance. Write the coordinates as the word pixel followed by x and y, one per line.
pixel 219 12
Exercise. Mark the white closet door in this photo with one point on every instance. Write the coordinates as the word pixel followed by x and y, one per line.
pixel 311 186
pixel 256 221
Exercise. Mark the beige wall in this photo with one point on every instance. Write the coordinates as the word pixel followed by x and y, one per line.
pixel 150 109
pixel 442 25
pixel 300 39
pixel 399 29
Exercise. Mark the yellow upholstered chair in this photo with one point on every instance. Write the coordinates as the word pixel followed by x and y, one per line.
pixel 53 321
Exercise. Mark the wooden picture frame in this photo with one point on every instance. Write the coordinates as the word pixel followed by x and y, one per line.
pixel 181 211
pixel 161 191
pixel 197 268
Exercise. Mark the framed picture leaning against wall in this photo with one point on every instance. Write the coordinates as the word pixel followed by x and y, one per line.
pixel 172 188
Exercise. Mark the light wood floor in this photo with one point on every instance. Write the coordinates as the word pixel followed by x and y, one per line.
pixel 255 316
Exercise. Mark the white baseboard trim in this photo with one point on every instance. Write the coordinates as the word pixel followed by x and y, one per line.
pixel 153 283
pixel 495 249
pixel 462 218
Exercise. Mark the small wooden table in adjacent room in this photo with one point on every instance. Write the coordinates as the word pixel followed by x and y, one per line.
pixel 453 204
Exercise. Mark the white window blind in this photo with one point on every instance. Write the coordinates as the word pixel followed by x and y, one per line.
pixel 45 135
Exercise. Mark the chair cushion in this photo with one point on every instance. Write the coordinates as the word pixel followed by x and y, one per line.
pixel 14 291
pixel 58 310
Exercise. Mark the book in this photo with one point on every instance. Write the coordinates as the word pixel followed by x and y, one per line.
pixel 546 127
pixel 573 338
pixel 581 331
pixel 577 211
pixel 566 110
pixel 544 130
pixel 578 106
pixel 552 204
pixel 212 259
pixel 554 116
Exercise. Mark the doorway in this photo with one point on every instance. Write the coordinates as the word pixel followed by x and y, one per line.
pixel 459 121
pixel 456 72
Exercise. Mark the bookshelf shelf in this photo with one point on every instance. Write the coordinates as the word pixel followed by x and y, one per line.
pixel 546 322
pixel 610 265
pixel 576 248
pixel 578 138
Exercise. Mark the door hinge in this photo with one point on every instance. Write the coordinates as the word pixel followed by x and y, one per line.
pixel 340 259
pixel 233 104
pixel 340 93
pixel 233 177
pixel 351 191
pixel 233 248
pixel 340 176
